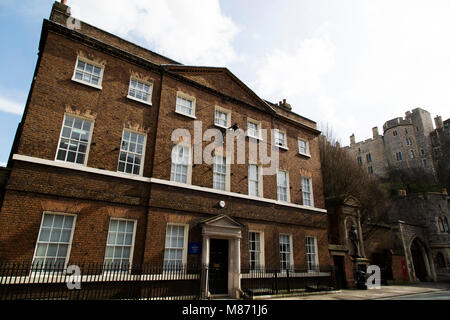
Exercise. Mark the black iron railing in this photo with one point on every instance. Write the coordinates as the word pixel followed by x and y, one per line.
pixel 268 280
pixel 93 281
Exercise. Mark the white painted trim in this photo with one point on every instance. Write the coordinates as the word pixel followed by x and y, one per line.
pixel 185 240
pixel 69 248
pixel 159 181
pixel 261 247
pixel 67 165
pixel 233 194
pixel 130 261
pixel 144 144
pixel 187 97
pixel 102 70
pixel 139 100
pixel 227 112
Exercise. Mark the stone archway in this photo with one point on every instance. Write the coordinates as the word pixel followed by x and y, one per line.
pixel 421 263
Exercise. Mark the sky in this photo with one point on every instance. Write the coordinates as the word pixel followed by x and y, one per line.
pixel 348 65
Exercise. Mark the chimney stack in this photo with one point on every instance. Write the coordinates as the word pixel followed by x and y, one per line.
pixel 375 132
pixel 64 2
pixel 352 139
pixel 438 122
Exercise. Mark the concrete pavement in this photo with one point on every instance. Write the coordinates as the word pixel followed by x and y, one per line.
pixel 384 292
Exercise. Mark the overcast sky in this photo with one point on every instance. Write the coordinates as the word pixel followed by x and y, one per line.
pixel 351 64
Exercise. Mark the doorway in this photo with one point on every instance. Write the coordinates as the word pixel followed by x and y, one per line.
pixel 218 266
pixel 339 272
pixel 418 253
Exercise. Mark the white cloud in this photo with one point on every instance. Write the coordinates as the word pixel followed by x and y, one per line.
pixel 3 164
pixel 11 106
pixel 192 32
pixel 298 71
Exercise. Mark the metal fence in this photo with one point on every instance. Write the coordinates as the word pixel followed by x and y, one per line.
pixel 277 281
pixel 95 281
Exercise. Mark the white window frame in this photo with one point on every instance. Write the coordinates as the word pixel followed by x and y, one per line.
pixel 185 244
pixel 310 193
pixel 276 132
pixel 227 173
pixel 130 259
pixel 291 252
pixel 260 192
pixel 189 165
pixel 315 254
pixel 93 63
pixel 225 111
pixel 69 244
pixel 260 252
pixel 150 93
pixel 288 195
pixel 258 128
pixel 306 142
pixel 88 143
pixel 185 96
pixel 144 143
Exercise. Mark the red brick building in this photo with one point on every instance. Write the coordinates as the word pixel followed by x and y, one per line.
pixel 96 177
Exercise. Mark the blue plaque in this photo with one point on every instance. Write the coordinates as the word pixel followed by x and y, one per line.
pixel 194 248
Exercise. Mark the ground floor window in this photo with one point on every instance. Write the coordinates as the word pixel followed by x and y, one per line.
pixel 311 254
pixel 54 240
pixel 174 247
pixel 285 252
pixel 119 246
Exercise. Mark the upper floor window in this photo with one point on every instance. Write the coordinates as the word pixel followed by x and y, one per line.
pixel 140 91
pixel 119 246
pixel 222 117
pixel 369 157
pixel 311 254
pixel 220 173
pixel 254 129
pixel 74 140
pixel 422 152
pixel 303 147
pixel 54 241
pixel 131 158
pixel 254 187
pixel 175 247
pixel 370 169
pixel 307 194
pixel 185 105
pixel 408 141
pixel 181 158
pixel 411 154
pixel 282 186
pixel 359 159
pixel 398 156
pixel 280 138
pixel 88 72
pixel 394 133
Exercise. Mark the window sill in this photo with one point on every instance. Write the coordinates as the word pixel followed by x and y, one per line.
pixel 305 154
pixel 220 126
pixel 282 147
pixel 139 100
pixel 99 87
pixel 255 137
pixel 186 115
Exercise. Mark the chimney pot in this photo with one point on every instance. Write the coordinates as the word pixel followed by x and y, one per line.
pixel 64 2
pixel 284 101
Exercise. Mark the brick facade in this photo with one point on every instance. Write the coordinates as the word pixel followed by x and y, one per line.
pixel 95 193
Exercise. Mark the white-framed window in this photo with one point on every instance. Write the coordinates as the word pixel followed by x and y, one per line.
pixel 74 140
pixel 88 72
pixel 140 90
pixel 181 164
pixel 256 250
pixel 286 258
pixel 54 242
pixel 119 245
pixel 185 105
pixel 222 117
pixel 254 180
pixel 303 147
pixel 254 128
pixel 280 139
pixel 283 186
pixel 175 253
pixel 220 173
pixel 312 259
pixel 307 193
pixel 132 149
